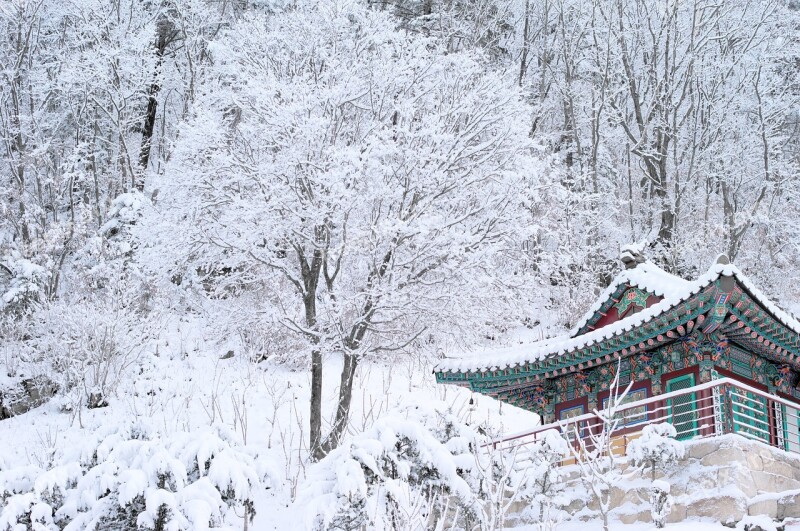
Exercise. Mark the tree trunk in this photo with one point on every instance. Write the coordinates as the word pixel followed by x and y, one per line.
pixel 310 274
pixel 315 412
pixel 19 147
pixel 344 402
pixel 316 405
pixel 523 60
pixel 165 33
pixel 352 344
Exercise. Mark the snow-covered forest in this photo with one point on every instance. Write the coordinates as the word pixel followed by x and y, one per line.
pixel 236 235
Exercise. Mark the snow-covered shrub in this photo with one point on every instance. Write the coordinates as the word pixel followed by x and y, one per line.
pixel 126 209
pixel 130 478
pixel 657 448
pixel 543 478
pixel 410 468
pixel 81 317
pixel 89 345
pixel 25 284
pixel 527 474
pixel 755 522
pixel 660 502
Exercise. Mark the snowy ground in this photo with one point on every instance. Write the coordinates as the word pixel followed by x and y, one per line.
pixel 181 384
pixel 597 524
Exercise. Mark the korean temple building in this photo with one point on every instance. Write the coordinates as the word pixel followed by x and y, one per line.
pixel 668 336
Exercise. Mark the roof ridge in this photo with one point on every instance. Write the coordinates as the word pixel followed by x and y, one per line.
pixel 636 277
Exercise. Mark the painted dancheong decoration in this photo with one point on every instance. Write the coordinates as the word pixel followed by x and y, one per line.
pixel 666 335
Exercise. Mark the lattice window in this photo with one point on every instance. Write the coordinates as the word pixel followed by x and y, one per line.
pixel 633 416
pixel 682 409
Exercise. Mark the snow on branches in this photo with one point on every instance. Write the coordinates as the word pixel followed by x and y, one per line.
pixel 371 182
pixel 656 447
pixel 544 478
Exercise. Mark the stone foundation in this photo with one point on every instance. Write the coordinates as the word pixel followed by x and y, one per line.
pixel 724 478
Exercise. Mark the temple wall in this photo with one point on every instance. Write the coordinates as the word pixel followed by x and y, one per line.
pixel 706 356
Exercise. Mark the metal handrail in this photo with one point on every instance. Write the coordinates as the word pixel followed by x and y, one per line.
pixel 750 416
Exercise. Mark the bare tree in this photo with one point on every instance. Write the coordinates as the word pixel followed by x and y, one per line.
pixel 592 447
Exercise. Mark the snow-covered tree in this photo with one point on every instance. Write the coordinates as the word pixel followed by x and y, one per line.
pixel 544 477
pixel 656 448
pixel 592 447
pixel 529 474
pixel 376 177
pixel 370 181
pixel 659 111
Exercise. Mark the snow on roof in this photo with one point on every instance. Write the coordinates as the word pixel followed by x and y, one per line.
pixel 646 276
pixel 674 293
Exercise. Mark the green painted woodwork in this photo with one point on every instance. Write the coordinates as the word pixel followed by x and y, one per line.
pixel 681 409
pixel 633 296
pixel 792 344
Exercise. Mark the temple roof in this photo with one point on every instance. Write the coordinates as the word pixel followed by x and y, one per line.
pixel 650 278
pixel 646 276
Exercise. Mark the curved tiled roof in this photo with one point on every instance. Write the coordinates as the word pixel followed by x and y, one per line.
pixel 674 294
pixel 648 277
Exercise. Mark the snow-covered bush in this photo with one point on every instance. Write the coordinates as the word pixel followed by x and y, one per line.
pixel 130 478
pixel 660 502
pixel 411 468
pixel 82 317
pixel 529 474
pixel 126 209
pixel 25 284
pixel 755 522
pixel 657 448
pixel 89 345
pixel 543 478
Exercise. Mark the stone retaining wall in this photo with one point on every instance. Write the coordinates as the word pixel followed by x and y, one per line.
pixel 728 477
pixel 724 478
